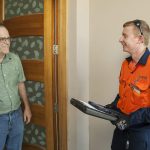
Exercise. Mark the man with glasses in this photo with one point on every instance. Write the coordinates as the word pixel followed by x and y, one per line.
pixel 11 89
pixel 134 90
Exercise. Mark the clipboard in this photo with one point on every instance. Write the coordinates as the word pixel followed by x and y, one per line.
pixel 95 110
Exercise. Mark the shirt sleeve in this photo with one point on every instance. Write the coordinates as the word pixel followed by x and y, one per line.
pixel 141 116
pixel 21 76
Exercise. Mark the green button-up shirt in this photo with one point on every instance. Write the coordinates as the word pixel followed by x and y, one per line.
pixel 11 73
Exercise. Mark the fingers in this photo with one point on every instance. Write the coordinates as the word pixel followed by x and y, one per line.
pixel 27 118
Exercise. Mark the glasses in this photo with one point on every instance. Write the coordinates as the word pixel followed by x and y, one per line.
pixel 137 23
pixel 5 39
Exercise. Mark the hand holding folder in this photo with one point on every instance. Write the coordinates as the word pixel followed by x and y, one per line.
pixel 93 109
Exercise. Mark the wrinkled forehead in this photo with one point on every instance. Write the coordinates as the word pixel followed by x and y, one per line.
pixel 129 29
pixel 3 32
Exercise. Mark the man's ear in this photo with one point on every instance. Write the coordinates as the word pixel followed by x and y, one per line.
pixel 141 39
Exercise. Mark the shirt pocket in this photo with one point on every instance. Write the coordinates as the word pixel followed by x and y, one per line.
pixel 142 84
pixel 12 73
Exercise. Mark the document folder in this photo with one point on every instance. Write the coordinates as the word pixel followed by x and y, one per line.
pixel 93 109
pixel 96 110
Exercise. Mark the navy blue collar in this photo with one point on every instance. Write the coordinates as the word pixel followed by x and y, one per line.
pixel 143 59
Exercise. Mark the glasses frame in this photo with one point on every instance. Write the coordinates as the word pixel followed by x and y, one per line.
pixel 137 23
pixel 5 39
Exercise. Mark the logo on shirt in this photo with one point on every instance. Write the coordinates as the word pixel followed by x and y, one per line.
pixel 141 79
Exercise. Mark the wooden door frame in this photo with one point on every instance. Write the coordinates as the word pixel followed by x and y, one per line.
pixel 62 76
pixel 1 10
pixel 48 75
pixel 62 82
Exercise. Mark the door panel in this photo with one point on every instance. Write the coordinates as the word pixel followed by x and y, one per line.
pixel 38 111
pixel 26 25
pixel 32 147
pixel 40 21
pixel 34 69
pixel 37 71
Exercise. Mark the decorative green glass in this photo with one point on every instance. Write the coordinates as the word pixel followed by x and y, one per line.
pixel 29 47
pixel 22 7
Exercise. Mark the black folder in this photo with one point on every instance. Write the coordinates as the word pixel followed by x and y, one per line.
pixel 96 110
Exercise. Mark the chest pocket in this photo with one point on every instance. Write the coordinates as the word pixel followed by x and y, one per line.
pixel 11 72
pixel 142 83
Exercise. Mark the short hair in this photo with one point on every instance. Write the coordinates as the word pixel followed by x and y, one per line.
pixel 143 28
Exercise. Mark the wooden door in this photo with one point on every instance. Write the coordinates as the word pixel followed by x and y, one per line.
pixel 43 70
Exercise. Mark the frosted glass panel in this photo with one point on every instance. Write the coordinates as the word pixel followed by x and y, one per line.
pixel 22 7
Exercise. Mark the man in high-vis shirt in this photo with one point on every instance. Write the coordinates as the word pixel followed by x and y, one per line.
pixel 134 90
pixel 11 89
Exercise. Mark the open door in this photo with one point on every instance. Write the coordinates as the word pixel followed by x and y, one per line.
pixel 44 71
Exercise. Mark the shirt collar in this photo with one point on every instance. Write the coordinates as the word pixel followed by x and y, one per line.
pixel 143 59
pixel 7 58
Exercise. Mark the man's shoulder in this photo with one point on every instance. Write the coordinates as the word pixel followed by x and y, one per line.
pixel 13 56
pixel 148 60
pixel 126 61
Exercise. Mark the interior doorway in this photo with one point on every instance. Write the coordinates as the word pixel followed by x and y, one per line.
pixel 42 24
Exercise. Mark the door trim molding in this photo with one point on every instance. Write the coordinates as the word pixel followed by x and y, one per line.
pixel 48 44
pixel 62 82
pixel 1 11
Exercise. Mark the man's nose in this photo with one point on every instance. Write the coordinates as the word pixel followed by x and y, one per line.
pixel 7 41
pixel 121 39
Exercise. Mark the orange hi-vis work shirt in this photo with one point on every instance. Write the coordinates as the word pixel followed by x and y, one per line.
pixel 134 88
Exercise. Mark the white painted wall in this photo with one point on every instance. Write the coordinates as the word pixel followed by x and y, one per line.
pixel 106 19
pixel 94 61
pixel 78 72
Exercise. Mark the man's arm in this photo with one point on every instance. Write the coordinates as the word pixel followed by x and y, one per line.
pixel 137 118
pixel 27 111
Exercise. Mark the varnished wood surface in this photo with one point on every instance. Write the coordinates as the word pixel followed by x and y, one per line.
pixel 38 115
pixel 62 76
pixel 48 44
pixel 25 25
pixel 33 69
pixel 32 147
pixel 1 11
